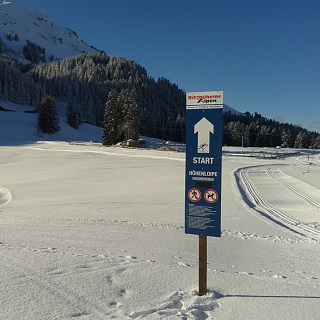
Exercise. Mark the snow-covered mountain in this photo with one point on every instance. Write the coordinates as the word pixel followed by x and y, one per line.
pixel 19 24
pixel 32 37
pixel 226 108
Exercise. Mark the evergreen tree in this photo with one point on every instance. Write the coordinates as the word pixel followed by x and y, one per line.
pixel 263 137
pixel 179 129
pixel 72 117
pixel 92 76
pixel 275 139
pixel 285 139
pixel 16 86
pixel 301 141
pixel 33 52
pixel 246 137
pixel 316 143
pixel 236 132
pixel 226 136
pixel 122 106
pixel 9 36
pixel 110 129
pixel 1 46
pixel 253 132
pixel 131 117
pixel 48 120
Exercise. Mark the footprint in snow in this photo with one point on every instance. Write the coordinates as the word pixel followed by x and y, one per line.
pixel 182 305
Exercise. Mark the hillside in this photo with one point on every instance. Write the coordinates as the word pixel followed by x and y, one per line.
pixel 39 57
pixel 19 25
pixel 24 130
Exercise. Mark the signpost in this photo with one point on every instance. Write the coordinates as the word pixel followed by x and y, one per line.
pixel 203 171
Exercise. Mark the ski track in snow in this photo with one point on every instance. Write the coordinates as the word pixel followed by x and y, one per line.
pixel 275 175
pixel 279 216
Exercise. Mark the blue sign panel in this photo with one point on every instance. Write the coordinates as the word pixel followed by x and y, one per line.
pixel 203 163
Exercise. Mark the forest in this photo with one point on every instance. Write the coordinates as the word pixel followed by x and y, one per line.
pixel 85 82
pixel 254 130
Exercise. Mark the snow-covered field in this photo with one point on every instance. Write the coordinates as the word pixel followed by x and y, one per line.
pixel 90 232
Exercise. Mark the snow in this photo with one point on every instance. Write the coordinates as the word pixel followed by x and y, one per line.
pixel 58 41
pixel 27 132
pixel 92 232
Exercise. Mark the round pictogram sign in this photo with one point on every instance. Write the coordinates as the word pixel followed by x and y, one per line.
pixel 211 196
pixel 194 195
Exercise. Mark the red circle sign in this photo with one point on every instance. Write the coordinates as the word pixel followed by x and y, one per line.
pixel 211 196
pixel 194 195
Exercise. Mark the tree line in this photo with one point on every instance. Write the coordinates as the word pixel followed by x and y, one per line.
pixel 121 118
pixel 254 130
pixel 86 81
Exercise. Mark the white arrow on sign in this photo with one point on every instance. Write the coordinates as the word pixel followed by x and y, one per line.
pixel 204 127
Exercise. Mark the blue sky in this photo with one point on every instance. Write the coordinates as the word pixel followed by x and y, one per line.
pixel 263 54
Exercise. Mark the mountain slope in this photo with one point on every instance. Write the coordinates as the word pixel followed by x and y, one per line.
pixel 19 25
pixel 226 108
pixel 18 126
pixel 76 74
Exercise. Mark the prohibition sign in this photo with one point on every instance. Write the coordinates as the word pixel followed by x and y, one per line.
pixel 211 196
pixel 194 195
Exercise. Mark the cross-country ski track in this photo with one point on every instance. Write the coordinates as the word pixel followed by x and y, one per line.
pixel 286 200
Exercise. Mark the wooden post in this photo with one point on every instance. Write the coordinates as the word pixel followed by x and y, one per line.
pixel 202 265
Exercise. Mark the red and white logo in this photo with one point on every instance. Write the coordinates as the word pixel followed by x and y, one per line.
pixel 194 195
pixel 211 196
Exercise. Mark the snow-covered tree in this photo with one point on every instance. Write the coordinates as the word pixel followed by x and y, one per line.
pixel 301 140
pixel 316 143
pixel 285 139
pixel 263 137
pixel 110 130
pixel 131 117
pixel 48 120
pixel 93 76
pixel 16 86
